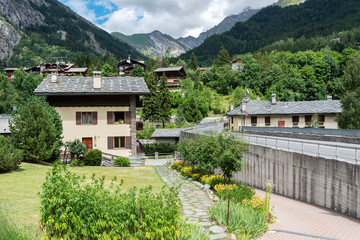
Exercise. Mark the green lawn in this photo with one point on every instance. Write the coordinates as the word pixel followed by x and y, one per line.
pixel 19 189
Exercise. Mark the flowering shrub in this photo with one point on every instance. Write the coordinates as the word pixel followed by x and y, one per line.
pixel 224 187
pixel 177 165
pixel 237 192
pixel 186 171
pixel 255 202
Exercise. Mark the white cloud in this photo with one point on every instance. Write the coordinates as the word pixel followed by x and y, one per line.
pixel 178 18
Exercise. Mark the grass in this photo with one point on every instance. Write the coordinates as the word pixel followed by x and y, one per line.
pixel 19 189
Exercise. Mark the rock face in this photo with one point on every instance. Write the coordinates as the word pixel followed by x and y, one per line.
pixel 9 37
pixel 21 12
pixel 165 45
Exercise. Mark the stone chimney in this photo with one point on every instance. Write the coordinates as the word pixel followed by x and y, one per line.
pixel 273 99
pixel 129 59
pixel 54 77
pixel 97 79
pixel 231 106
pixel 244 102
pixel 329 97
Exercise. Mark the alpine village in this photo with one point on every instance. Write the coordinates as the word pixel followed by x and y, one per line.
pixel 243 126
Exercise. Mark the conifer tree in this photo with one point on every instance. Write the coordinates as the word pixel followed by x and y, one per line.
pixel 193 64
pixel 223 57
pixel 151 106
pixel 164 101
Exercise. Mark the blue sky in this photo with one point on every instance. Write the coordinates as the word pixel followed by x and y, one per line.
pixel 178 18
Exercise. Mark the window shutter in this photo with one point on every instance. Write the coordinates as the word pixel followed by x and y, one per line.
pixel 128 142
pixel 110 142
pixel 128 117
pixel 110 117
pixel 78 118
pixel 94 118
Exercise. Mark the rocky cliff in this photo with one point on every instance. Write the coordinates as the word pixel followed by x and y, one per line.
pixel 9 37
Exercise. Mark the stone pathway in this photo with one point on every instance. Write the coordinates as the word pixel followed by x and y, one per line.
pixel 195 202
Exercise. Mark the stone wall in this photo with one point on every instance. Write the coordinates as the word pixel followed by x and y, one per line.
pixel 327 183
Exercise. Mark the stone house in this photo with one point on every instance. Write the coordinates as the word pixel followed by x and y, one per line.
pixel 126 66
pixel 100 111
pixel 174 76
pixel 171 135
pixel 257 113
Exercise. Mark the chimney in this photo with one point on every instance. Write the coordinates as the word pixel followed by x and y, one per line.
pixel 231 106
pixel 129 59
pixel 258 98
pixel 54 77
pixel 97 79
pixel 329 97
pixel 273 99
pixel 243 107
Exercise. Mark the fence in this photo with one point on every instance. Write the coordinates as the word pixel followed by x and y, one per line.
pixel 349 154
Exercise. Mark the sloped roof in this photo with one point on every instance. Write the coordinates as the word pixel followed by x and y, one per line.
pixel 72 70
pixel 170 69
pixel 167 133
pixel 257 107
pixel 78 85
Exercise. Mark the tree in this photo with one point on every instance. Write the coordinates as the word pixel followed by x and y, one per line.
pixel 10 157
pixel 76 147
pixel 164 101
pixel 193 64
pixel 191 110
pixel 107 70
pixel 36 129
pixel 9 97
pixel 350 100
pixel 223 57
pixel 151 106
pixel 137 71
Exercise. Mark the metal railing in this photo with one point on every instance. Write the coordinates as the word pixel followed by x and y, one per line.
pixel 340 152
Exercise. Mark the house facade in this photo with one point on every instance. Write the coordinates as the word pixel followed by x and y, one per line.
pixel 100 111
pixel 126 66
pixel 257 113
pixel 174 76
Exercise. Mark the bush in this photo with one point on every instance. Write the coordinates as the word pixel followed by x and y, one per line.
pixel 149 129
pixel 76 147
pixel 10 157
pixel 244 220
pixel 122 161
pixel 93 157
pixel 237 192
pixel 160 147
pixel 74 208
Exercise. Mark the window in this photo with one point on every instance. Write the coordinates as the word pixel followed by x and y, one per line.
pixel 308 119
pixel 119 142
pixel 232 120
pixel 253 121
pixel 321 118
pixel 267 121
pixel 86 118
pixel 119 117
pixel 295 121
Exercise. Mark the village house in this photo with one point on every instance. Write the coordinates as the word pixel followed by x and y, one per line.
pixel 237 64
pixel 100 111
pixel 174 76
pixel 126 66
pixel 171 135
pixel 257 113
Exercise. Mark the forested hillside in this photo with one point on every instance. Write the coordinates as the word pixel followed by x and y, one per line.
pixel 50 29
pixel 310 19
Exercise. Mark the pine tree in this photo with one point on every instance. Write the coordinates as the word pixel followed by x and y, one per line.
pixel 223 57
pixel 164 101
pixel 193 64
pixel 151 106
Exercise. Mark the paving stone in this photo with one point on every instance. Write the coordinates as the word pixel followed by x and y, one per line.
pixel 205 224
pixel 218 236
pixel 216 229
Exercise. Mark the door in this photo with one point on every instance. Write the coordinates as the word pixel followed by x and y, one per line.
pixel 281 123
pixel 88 143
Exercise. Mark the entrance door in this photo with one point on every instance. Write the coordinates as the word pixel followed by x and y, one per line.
pixel 88 143
pixel 281 123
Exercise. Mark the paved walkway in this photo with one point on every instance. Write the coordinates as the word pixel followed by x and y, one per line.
pixel 306 219
pixel 195 202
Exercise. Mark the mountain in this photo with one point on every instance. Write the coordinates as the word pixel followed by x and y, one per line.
pixel 309 19
pixel 158 44
pixel 34 27
pixel 285 3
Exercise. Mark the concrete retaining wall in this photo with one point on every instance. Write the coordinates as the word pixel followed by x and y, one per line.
pixel 328 183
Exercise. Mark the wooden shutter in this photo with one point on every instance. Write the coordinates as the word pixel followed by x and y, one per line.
pixel 128 142
pixel 110 142
pixel 128 117
pixel 78 118
pixel 110 117
pixel 94 118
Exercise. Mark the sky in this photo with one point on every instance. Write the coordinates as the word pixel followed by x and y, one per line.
pixel 177 18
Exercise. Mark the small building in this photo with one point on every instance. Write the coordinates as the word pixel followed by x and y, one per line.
pixel 100 111
pixel 204 69
pixel 171 135
pixel 174 76
pixel 237 64
pixel 9 72
pixel 126 66
pixel 4 125
pixel 257 113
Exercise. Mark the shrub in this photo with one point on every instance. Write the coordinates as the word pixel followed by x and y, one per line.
pixel 76 147
pixel 237 192
pixel 10 157
pixel 122 161
pixel 93 157
pixel 74 208
pixel 244 221
pixel 161 147
pixel 146 133
pixel 177 165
